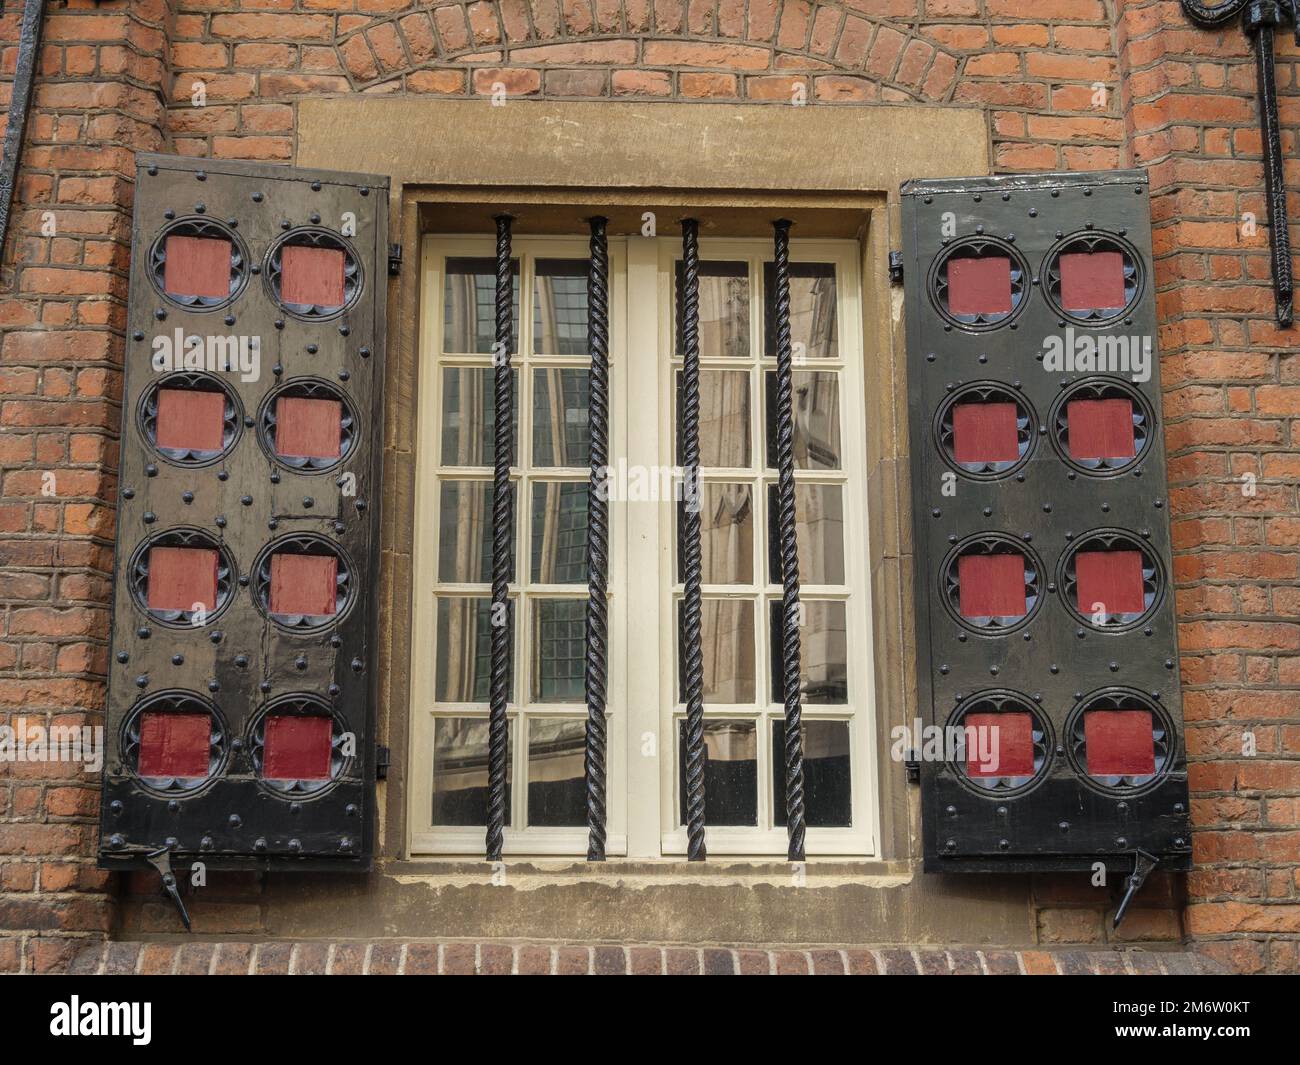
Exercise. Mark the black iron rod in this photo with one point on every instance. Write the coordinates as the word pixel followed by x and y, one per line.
pixel 597 636
pixel 790 613
pixel 502 527
pixel 1279 234
pixel 29 49
pixel 692 566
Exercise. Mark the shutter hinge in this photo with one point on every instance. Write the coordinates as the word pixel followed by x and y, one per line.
pixel 895 267
pixel 383 759
pixel 1143 865
pixel 394 260
pixel 912 763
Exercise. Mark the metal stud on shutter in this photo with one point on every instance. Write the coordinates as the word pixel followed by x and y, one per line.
pixel 1043 580
pixel 240 725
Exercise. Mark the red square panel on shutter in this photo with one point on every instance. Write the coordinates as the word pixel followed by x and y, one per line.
pixel 979 286
pixel 189 420
pixel 1100 428
pixel 1001 746
pixel 992 585
pixel 296 747
pixel 307 428
pixel 1119 743
pixel 174 745
pixel 985 432
pixel 1092 281
pixel 179 577
pixel 1112 578
pixel 311 275
pixel 197 266
pixel 303 584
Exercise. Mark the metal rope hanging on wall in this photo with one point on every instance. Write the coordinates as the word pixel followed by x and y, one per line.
pixel 1260 19
pixel 794 806
pixel 692 566
pixel 502 526
pixel 597 642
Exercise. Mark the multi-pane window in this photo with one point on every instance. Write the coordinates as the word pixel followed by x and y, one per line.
pixel 741 643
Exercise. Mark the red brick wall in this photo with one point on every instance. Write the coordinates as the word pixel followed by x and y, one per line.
pixel 118 77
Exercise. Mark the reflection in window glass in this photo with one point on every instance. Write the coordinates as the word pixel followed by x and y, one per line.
pixel 816 409
pixel 823 652
pixel 557 786
pixel 558 654
pixel 460 771
pixel 560 432
pixel 727 643
pixel 560 307
pixel 827 788
pixel 468 410
pixel 559 532
pixel 724 419
pixel 819 531
pixel 464 650
pixel 726 534
pixel 465 533
pixel 724 309
pixel 730 772
pixel 469 306
pixel 812 311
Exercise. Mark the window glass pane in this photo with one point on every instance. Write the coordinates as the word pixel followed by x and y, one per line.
pixel 730 772
pixel 724 419
pixel 470 301
pixel 823 653
pixel 726 534
pixel 560 435
pixel 727 642
pixel 812 311
pixel 827 787
pixel 460 771
pixel 819 531
pixel 558 650
pixel 557 786
pixel 463 665
pixel 816 408
pixel 559 532
pixel 468 409
pixel 724 309
pixel 560 307
pixel 465 535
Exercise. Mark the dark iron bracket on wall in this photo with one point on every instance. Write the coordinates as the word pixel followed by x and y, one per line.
pixel 29 46
pixel 1260 19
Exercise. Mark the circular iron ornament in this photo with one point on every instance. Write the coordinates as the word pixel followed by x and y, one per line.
pixel 991 544
pixel 314 237
pixel 1153 580
pixel 204 228
pixel 232 417
pixel 993 702
pixel 1164 739
pixel 986 392
pixel 980 248
pixel 1100 388
pixel 308 388
pixel 300 704
pixel 1090 242
pixel 174 701
pixel 182 536
pixel 305 544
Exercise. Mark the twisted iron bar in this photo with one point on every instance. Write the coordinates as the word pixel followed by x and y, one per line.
pixel 502 525
pixel 692 566
pixel 29 47
pixel 794 805
pixel 597 538
pixel 1260 20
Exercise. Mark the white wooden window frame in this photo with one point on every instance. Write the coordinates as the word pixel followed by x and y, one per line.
pixel 642 750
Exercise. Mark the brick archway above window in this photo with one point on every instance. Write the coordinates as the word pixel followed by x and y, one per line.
pixel 759 49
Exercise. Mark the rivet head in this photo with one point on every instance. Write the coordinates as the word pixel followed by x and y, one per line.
pixel 178 660
pixel 234 820
pixel 115 806
pixel 259 844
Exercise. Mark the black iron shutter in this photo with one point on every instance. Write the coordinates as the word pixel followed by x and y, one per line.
pixel 240 725
pixel 1043 584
